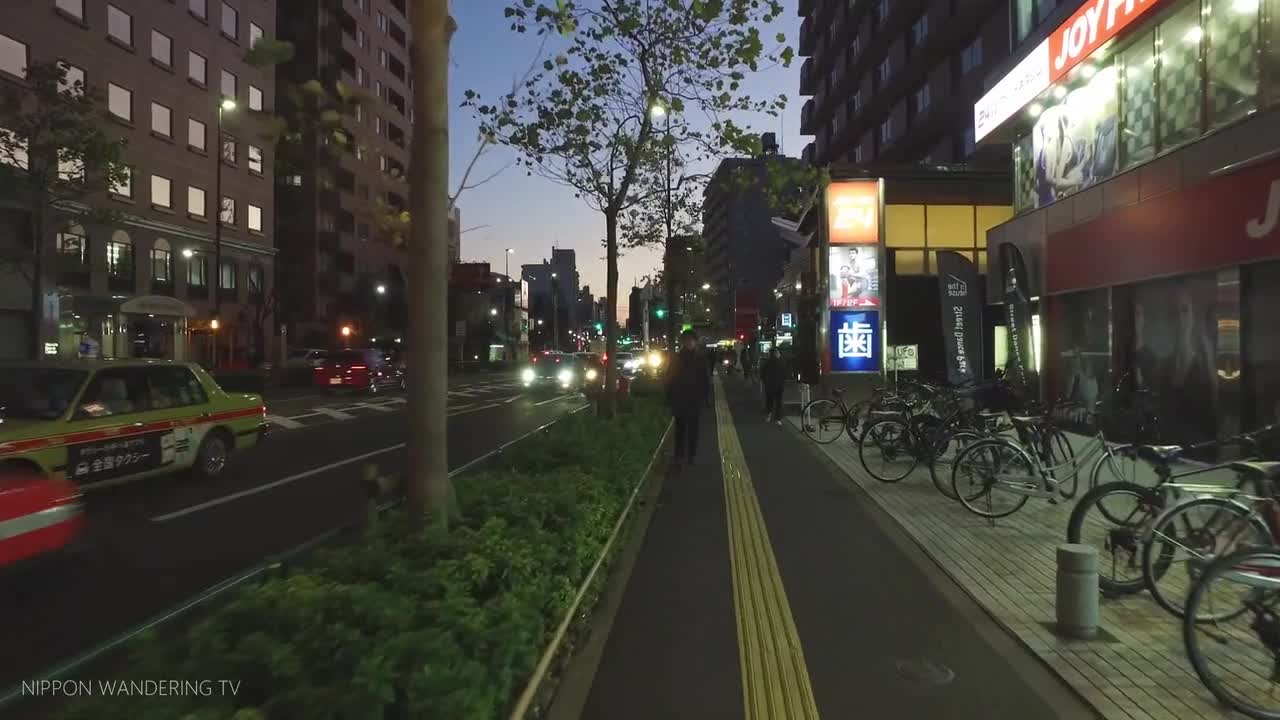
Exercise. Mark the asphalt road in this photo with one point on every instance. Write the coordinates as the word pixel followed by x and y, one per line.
pixel 156 543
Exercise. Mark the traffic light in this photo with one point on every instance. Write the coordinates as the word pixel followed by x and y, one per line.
pixel 599 327
pixel 661 313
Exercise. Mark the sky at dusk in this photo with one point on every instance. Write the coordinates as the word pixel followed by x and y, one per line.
pixel 532 214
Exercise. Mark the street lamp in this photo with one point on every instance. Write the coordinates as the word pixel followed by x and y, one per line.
pixel 381 289
pixel 493 311
pixel 658 110
pixel 227 105
pixel 706 286
pixel 346 335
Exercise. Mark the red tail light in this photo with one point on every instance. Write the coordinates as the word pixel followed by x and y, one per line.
pixel 358 367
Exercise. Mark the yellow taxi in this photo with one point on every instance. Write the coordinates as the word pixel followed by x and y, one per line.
pixel 104 422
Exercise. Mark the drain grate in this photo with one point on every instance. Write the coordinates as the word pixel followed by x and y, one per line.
pixel 926 672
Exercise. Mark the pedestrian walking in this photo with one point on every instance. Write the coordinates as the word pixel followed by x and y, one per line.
pixel 687 387
pixel 773 377
pixel 746 363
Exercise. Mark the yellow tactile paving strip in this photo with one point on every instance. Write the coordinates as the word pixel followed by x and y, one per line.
pixel 775 678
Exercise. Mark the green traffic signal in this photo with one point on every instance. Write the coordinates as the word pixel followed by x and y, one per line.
pixel 661 313
pixel 599 327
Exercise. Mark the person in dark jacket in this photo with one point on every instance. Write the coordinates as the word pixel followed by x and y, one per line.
pixel 773 376
pixel 687 388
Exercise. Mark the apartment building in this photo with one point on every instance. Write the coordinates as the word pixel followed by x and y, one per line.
pixel 339 199
pixel 176 87
pixel 894 81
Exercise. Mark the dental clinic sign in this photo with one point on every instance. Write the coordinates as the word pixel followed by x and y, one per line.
pixel 1096 22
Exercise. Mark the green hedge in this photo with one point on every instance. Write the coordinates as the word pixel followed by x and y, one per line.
pixel 414 623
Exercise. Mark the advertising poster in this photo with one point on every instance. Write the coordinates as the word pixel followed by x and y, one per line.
pixel 853 212
pixel 855 341
pixel 855 276
pixel 961 304
pixel 1017 305
pixel 1079 353
pixel 1075 143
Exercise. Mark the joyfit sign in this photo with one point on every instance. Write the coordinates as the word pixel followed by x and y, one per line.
pixel 1096 22
pixel 853 276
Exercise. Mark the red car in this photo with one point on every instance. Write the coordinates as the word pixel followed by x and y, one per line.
pixel 38 517
pixel 371 370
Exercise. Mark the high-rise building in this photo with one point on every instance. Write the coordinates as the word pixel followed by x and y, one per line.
pixel 895 82
pixel 340 199
pixel 174 77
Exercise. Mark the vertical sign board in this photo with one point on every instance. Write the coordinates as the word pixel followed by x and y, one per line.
pixel 961 316
pixel 1017 303
pixel 854 332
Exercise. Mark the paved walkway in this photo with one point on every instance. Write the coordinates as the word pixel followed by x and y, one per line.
pixel 769 588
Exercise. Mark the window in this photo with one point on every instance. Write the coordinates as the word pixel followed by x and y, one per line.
pixel 884 9
pixel 382 57
pixel 72 79
pixel 293 180
pixel 363 5
pixel 74 8
pixel 883 70
pixel 171 387
pixel 377 124
pixel 1233 62
pixel 161 120
pixel 361 153
pixel 382 22
pixel 15 155
pixel 196 68
pixel 227 275
pixel 117 391
pixel 360 113
pixel 195 201
pixel 120 255
pixel 228 214
pixel 13 56
pixel 161 191
pixel 1138 96
pixel 195 134
pixel 886 130
pixel 124 187
pixel 971 57
pixel 377 89
pixel 857 154
pixel 198 271
pixel 228 85
pixel 1178 42
pixel 230 22
pixel 382 163
pixel 161 261
pixel 161 48
pixel 362 40
pixel 120 102
pixel 255 159
pixel 72 245
pixel 229 149
pixel 922 99
pixel 254 280
pixel 254 218
pixel 920 30
pixel 255 34
pixel 361 78
pixel 119 25
pixel 255 98
pixel 71 168
pixel 198 8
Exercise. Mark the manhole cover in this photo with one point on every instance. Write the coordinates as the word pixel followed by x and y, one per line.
pixel 925 672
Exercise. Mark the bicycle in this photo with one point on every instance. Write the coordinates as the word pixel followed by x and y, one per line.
pixel 825 419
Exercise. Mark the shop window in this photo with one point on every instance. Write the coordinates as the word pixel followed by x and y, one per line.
pixel 1078 364
pixel 1178 46
pixel 1233 61
pixel 161 262
pixel 908 262
pixel 1262 364
pixel 1138 97
pixel 1075 138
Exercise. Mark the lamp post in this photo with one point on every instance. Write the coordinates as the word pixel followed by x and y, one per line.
pixel 660 111
pixel 227 105
pixel 555 312
pixel 507 294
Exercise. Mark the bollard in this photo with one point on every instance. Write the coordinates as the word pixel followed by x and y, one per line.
pixel 1077 591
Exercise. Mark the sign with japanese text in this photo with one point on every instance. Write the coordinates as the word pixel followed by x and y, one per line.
pixel 855 341
pixel 107 459
pixel 853 212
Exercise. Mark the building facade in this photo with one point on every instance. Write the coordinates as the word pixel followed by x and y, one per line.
pixel 892 81
pixel 1147 191
pixel 341 198
pixel 145 286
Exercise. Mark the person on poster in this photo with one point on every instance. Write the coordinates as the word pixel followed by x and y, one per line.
pixel 1190 389
pixel 855 284
pixel 1059 161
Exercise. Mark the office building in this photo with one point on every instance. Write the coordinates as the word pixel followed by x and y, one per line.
pixel 1147 192
pixel 339 200
pixel 894 82
pixel 144 286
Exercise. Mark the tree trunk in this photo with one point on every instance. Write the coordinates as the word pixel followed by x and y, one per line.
pixel 608 399
pixel 427 486
pixel 35 346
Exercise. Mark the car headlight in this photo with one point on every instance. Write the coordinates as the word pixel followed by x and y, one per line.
pixel 591 374
pixel 655 359
pixel 566 376
pixel 527 376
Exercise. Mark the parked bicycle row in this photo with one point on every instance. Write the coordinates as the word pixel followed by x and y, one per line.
pixel 1208 552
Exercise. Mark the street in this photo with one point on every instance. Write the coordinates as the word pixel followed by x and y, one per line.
pixel 156 543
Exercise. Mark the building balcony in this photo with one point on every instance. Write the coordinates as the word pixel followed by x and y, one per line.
pixel 806 117
pixel 807 155
pixel 807 37
pixel 808 78
pixel 806 8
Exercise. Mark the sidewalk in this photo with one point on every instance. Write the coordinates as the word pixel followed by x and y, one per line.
pixel 768 588
pixel 1139 672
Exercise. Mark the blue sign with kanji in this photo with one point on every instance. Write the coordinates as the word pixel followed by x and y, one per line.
pixel 855 340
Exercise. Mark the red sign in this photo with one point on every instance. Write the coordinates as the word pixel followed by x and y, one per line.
pixel 1228 220
pixel 1092 26
pixel 853 212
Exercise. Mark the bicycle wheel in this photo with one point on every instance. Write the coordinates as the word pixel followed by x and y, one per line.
pixel 822 420
pixel 853 423
pixel 945 452
pixel 1121 464
pixel 1190 535
pixel 1059 454
pixel 1115 518
pixel 1236 657
pixel 990 478
pixel 887 450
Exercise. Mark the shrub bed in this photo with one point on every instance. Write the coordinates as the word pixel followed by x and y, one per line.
pixel 413 623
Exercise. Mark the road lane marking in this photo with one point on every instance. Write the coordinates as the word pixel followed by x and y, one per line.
pixel 380 407
pixel 330 412
pixel 551 400
pixel 284 422
pixel 775 678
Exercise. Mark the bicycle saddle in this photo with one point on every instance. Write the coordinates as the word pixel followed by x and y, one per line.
pixel 1160 453
pixel 989 413
pixel 837 392
pixel 1026 419
pixel 1263 470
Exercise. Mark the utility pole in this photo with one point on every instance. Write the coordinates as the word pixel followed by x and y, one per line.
pixel 555 312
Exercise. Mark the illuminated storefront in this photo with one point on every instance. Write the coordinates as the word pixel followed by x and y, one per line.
pixel 854 250
pixel 1147 191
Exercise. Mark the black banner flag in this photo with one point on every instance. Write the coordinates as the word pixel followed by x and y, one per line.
pixel 961 304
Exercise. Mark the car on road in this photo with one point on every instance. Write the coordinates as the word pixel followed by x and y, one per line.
pixel 593 371
pixel 628 363
pixel 304 358
pixel 40 517
pixel 363 369
pixel 551 370
pixel 103 422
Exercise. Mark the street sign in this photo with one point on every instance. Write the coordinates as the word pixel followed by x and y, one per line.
pixel 460 328
pixel 903 357
pixel 786 320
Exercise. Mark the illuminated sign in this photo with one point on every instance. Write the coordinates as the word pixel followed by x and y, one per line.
pixel 855 341
pixel 855 276
pixel 787 320
pixel 1070 44
pixel 853 212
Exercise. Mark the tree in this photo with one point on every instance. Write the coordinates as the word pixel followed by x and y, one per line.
pixel 586 120
pixel 56 155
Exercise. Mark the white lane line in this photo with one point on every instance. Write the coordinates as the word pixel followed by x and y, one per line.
pixel 283 481
pixel 513 398
pixel 380 407
pixel 284 422
pixel 551 400
pixel 335 414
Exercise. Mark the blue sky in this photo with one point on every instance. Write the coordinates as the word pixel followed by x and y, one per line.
pixel 531 214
